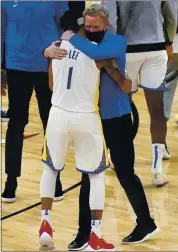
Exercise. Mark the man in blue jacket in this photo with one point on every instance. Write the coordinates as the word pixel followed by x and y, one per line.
pixel 115 112
pixel 27 28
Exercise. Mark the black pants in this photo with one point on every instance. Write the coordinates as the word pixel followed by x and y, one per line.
pixel 20 89
pixel 119 139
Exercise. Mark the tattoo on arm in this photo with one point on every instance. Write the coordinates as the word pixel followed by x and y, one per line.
pixel 118 76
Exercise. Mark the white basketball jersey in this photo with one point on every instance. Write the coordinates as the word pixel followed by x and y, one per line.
pixel 76 81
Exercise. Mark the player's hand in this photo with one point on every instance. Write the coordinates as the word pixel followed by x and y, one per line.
pixel 103 63
pixel 3 82
pixel 169 50
pixel 55 52
pixel 107 63
pixel 67 35
pixel 3 89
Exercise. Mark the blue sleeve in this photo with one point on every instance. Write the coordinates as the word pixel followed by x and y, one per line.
pixel 3 34
pixel 114 47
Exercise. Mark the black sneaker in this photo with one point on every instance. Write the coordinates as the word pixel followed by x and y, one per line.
pixel 141 234
pixel 79 243
pixel 9 192
pixel 58 192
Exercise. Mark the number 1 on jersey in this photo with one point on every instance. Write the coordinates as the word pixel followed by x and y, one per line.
pixel 69 77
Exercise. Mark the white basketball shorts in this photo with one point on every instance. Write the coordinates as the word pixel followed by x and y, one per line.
pixel 85 131
pixel 147 70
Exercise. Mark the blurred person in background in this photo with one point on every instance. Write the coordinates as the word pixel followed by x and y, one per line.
pixel 141 22
pixel 171 78
pixel 26 29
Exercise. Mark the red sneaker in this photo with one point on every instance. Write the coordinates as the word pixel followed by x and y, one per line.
pixel 46 236
pixel 97 244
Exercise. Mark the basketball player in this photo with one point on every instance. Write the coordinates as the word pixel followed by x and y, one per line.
pixel 146 56
pixel 117 126
pixel 74 116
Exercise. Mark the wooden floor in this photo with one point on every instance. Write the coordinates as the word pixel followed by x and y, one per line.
pixel 21 231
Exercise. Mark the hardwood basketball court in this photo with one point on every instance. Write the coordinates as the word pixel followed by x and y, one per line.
pixel 20 232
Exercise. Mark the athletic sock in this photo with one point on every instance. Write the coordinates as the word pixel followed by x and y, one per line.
pixel 96 227
pixel 46 215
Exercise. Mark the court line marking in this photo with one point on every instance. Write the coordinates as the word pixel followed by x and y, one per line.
pixel 38 204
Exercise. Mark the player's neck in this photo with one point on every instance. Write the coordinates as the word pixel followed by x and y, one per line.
pixel 81 32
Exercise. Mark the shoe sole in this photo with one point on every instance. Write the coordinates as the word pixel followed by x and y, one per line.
pixel 4 119
pixel 166 158
pixel 7 200
pixel 159 181
pixel 58 198
pixel 147 237
pixel 89 248
pixel 78 249
pixel 160 185
pixel 46 242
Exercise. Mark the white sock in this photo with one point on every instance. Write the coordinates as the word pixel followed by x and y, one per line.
pixel 96 227
pixel 46 215
pixel 48 182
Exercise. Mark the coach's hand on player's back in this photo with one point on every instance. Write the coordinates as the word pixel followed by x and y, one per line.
pixel 54 51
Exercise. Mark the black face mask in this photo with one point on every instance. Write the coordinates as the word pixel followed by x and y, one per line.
pixel 95 36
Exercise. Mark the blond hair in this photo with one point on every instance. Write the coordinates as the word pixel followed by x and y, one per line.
pixel 96 10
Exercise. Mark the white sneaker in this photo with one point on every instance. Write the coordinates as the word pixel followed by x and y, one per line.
pixel 55 199
pixel 158 178
pixel 46 236
pixel 166 155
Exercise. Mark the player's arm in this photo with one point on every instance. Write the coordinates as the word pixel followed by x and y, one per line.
pixel 169 12
pixel 113 47
pixel 116 74
pixel 50 76
pixel 3 34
